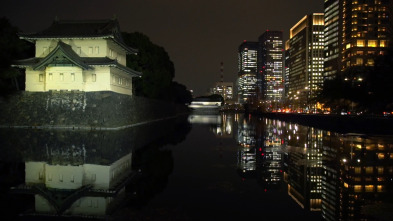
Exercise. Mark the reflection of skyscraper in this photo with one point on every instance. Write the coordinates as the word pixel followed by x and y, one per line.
pixel 304 160
pixel 246 152
pixel 269 153
pixel 366 176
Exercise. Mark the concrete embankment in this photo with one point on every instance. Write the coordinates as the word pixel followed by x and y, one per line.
pixel 82 110
pixel 339 123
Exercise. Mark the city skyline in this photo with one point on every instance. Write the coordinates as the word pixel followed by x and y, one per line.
pixel 196 35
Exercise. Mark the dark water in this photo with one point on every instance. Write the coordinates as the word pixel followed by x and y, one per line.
pixel 226 167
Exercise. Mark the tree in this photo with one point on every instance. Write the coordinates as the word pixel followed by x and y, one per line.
pixel 153 61
pixel 11 48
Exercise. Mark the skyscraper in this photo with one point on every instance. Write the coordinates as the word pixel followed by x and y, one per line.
pixel 247 69
pixel 356 31
pixel 306 46
pixel 270 66
pixel 364 31
pixel 333 23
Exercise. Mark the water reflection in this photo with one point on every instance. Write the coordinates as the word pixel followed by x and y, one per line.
pixel 339 176
pixel 89 174
pixel 101 174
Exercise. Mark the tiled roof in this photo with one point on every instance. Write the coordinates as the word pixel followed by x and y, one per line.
pixel 66 29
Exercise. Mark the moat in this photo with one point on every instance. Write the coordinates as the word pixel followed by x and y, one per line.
pixel 197 167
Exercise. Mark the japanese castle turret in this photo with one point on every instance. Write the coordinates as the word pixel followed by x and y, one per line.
pixel 84 56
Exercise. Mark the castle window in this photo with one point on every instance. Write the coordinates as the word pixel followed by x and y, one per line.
pixel 50 76
pixel 94 77
pixel 61 77
pixel 61 177
pixel 45 50
pixel 41 77
pixel 90 50
pixel 97 50
pixel 72 76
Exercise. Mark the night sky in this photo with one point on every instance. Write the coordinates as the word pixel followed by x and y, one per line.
pixel 197 34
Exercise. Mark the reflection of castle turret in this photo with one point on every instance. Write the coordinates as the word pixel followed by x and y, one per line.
pixel 86 189
pixel 76 173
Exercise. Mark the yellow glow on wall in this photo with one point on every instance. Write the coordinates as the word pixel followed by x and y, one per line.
pixel 382 43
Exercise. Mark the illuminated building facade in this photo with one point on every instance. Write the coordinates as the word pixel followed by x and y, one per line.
pixel 306 46
pixel 247 69
pixel 270 66
pixel 333 24
pixel 225 89
pixel 287 70
pixel 356 31
pixel 79 56
pixel 364 31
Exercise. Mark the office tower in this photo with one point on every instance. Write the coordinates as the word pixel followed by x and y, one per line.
pixel 364 32
pixel 225 89
pixel 306 61
pixel 247 69
pixel 356 32
pixel 287 70
pixel 333 23
pixel 270 67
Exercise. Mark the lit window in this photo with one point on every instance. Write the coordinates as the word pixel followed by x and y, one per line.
pixel 372 43
pixel 357 188
pixel 360 43
pixel 359 61
pixel 382 43
pixel 369 188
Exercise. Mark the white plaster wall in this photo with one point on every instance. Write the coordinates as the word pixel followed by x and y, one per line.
pixel 122 88
pixel 34 172
pixel 97 175
pixel 88 47
pixel 63 177
pixel 118 53
pixel 89 206
pixel 67 82
pixel 42 205
pixel 102 82
pixel 120 168
pixel 33 82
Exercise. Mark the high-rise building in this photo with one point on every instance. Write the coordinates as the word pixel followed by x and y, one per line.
pixel 225 89
pixel 333 23
pixel 270 66
pixel 306 46
pixel 356 32
pixel 247 69
pixel 364 31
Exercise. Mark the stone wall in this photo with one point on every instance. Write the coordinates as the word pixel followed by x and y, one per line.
pixel 80 110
